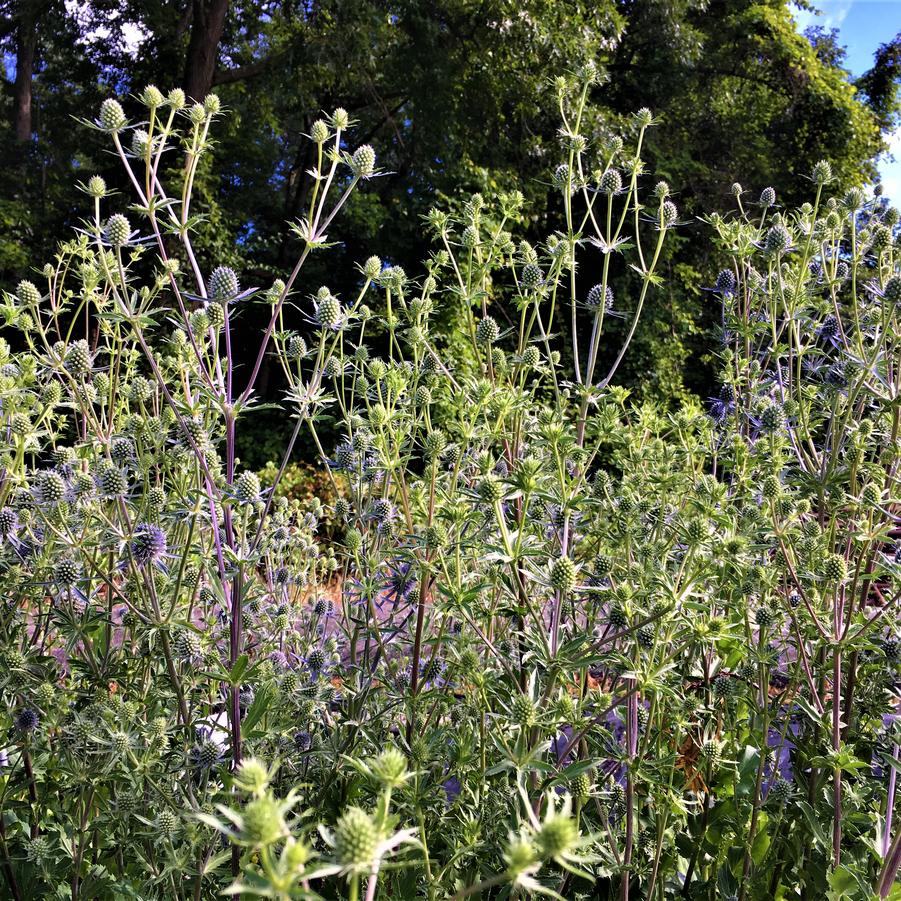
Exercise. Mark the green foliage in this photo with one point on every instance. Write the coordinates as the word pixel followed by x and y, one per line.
pixel 459 98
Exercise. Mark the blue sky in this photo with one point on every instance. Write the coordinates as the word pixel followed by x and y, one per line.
pixel 863 25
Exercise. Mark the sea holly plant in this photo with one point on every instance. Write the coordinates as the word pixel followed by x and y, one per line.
pixel 538 639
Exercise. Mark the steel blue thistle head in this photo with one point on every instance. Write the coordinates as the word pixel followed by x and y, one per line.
pixel 148 545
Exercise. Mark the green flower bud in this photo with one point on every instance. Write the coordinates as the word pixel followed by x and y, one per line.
pixel 96 186
pixel 152 97
pixel 112 116
pixel 363 161
pixel 28 293
pixel 117 230
pixel 356 841
pixel 822 173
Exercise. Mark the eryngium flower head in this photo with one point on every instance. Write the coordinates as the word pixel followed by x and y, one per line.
pixel 563 574
pixel 112 481
pixel 598 295
pixel 531 276
pixel 27 293
pixel 117 230
pixel 611 182
pixel 669 213
pixel 356 841
pixel 152 96
pixel 223 284
pixel 51 488
pixel 319 132
pixel 892 290
pixel 363 161
pixel 27 720
pixel 207 754
pixel 778 240
pixel 9 522
pixel 822 173
pixel 725 283
pixel 78 359
pixel 247 487
pixel 767 197
pixel 112 116
pixel 328 311
pixel 148 544
pixel 65 573
pixel 487 331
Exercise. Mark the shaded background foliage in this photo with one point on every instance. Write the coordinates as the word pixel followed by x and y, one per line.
pixel 457 96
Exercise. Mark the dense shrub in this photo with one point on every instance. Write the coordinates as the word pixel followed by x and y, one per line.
pixel 582 648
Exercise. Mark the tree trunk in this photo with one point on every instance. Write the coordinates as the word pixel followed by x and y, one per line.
pixel 26 47
pixel 207 22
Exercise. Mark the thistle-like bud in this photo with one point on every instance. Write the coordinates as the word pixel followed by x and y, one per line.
pixel 531 357
pixel 778 240
pixel 176 99
pixel 644 117
pixel 563 574
pixel 166 822
pixel 668 214
pixel 223 284
pixel 854 199
pixel 560 177
pixel 531 277
pixel 117 230
pixel 737 189
pixel 247 487
pixel 892 290
pixel 611 182
pixel 215 314
pixel 390 768
pixel 882 238
pixel 319 132
pixel 112 116
pixel 340 118
pixel 212 104
pixel 599 296
pixel 356 840
pixel 470 237
pixel 328 311
pixel 773 417
pixel 65 572
pixel 835 568
pixel 822 173
pixel 297 347
pixel 491 490
pixel 363 161
pixel 112 481
pixel 28 293
pixel 487 331
pixel 152 97
pixel 558 835
pixel 9 521
pixel 523 711
pixel 372 268
pixel 96 187
pixel 767 197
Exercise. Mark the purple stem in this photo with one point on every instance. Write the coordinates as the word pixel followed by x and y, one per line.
pixel 890 804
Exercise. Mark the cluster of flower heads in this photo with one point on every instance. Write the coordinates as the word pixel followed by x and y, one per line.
pixel 539 639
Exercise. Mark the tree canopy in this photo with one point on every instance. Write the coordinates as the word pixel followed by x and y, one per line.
pixel 457 96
